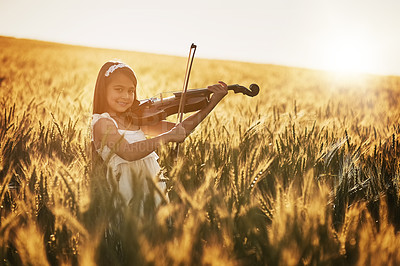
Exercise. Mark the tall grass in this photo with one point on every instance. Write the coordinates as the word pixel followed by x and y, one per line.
pixel 304 173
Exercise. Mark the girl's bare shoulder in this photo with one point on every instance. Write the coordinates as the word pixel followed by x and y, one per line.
pixel 104 125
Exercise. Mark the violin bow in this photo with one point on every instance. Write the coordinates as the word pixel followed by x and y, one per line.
pixel 186 83
pixel 182 102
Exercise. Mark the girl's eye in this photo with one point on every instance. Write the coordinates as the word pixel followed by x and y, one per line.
pixel 131 91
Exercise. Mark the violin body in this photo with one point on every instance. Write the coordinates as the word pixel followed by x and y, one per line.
pixel 151 111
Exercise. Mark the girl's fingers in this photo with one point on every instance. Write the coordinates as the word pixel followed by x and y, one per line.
pixel 180 129
pixel 223 84
pixel 219 90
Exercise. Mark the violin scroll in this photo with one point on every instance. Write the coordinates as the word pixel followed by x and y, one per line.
pixel 252 91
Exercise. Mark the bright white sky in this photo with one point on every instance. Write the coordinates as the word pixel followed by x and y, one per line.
pixel 341 35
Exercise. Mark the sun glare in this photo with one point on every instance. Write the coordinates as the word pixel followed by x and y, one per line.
pixel 349 54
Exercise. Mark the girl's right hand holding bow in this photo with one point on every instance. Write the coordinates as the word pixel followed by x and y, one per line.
pixel 176 134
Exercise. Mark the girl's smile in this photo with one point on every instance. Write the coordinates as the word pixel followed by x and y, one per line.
pixel 120 92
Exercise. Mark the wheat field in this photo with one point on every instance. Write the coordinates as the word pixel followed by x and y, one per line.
pixel 305 173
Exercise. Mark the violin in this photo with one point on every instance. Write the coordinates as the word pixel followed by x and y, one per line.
pixel 153 110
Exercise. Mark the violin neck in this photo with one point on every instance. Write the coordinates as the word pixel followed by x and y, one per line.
pixel 194 92
pixel 203 91
pixel 253 91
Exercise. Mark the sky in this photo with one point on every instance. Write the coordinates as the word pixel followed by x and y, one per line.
pixel 339 35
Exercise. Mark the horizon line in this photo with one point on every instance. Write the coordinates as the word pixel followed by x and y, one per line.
pixel 202 58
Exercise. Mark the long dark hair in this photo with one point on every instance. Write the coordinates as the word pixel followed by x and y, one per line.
pixel 99 98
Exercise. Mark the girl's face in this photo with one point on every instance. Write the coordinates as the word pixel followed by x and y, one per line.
pixel 120 93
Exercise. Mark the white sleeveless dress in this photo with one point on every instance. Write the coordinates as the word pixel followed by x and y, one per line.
pixel 124 171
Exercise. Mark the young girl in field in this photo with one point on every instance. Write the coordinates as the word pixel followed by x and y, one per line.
pixel 123 145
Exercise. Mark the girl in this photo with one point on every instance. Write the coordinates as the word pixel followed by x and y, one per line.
pixel 123 145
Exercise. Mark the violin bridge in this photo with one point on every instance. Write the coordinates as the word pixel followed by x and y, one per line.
pixel 161 98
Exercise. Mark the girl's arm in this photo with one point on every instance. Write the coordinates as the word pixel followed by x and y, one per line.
pixel 219 91
pixel 157 129
pixel 105 131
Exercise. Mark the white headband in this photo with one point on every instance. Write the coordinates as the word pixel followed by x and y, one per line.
pixel 114 67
